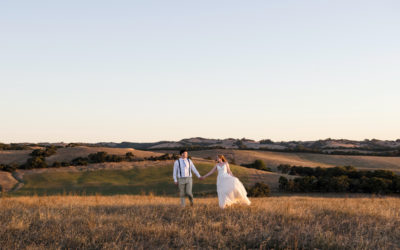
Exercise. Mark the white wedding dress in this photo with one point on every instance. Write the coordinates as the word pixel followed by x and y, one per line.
pixel 230 190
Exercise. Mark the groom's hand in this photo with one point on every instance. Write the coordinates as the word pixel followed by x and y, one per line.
pixel 176 183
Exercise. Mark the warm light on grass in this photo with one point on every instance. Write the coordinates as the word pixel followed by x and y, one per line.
pixel 150 222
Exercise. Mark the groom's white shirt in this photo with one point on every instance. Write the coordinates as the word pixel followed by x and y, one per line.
pixel 185 169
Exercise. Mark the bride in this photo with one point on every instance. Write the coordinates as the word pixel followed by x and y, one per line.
pixel 230 190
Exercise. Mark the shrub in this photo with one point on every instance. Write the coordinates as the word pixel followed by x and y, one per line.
pixel 79 161
pixel 257 164
pixel 97 157
pixel 259 190
pixel 48 151
pixel 35 162
pixel 8 167
pixel 13 146
pixel 283 183
pixel 284 168
pixel 266 141
pixel 340 183
pixel 129 156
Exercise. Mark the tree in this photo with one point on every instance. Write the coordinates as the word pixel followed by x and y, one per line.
pixel 260 164
pixel 79 161
pixel 48 151
pixel 97 157
pixel 35 162
pixel 283 183
pixel 380 185
pixel 129 156
pixel 284 168
pixel 257 164
pixel 340 183
pixel 259 190
pixel 266 141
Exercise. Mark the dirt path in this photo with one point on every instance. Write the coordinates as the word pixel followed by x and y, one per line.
pixel 7 181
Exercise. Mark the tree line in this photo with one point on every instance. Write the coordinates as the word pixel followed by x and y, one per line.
pixel 338 179
pixel 101 157
pixel 37 159
pixel 13 146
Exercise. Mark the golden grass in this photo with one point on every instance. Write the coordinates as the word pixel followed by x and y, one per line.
pixel 148 222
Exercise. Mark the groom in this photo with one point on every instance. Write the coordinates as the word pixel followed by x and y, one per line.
pixel 182 174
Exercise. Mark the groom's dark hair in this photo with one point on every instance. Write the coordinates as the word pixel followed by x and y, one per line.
pixel 182 151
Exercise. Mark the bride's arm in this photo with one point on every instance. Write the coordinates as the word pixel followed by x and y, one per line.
pixel 211 172
pixel 228 169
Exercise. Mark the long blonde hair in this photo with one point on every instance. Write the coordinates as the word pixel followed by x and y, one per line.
pixel 222 157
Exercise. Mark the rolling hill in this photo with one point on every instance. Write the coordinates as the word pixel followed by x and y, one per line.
pixel 155 176
pixel 132 178
pixel 69 153
pixel 273 159
pixel 325 146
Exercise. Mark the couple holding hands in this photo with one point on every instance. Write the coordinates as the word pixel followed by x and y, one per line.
pixel 229 188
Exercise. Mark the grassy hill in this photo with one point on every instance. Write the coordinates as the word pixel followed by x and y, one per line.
pixel 149 176
pixel 273 159
pixel 136 179
pixel 69 153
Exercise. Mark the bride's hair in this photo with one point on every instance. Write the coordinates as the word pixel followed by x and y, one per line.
pixel 222 158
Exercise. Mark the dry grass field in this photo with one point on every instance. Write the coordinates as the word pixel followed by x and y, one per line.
pixel 150 222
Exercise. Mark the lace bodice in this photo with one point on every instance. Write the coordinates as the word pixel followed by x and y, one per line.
pixel 222 169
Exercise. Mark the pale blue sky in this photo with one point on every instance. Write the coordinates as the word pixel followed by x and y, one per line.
pixel 94 71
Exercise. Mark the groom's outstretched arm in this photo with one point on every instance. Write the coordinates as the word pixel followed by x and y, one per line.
pixel 195 170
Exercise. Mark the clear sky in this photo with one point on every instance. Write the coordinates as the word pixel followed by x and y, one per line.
pixel 90 71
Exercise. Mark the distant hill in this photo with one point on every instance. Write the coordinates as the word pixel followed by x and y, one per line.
pixel 135 177
pixel 326 146
pixel 273 159
pixel 69 153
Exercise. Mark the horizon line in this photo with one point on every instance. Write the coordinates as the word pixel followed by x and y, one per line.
pixel 187 138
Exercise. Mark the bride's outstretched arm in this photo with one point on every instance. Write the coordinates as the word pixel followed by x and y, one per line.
pixel 211 172
pixel 228 169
